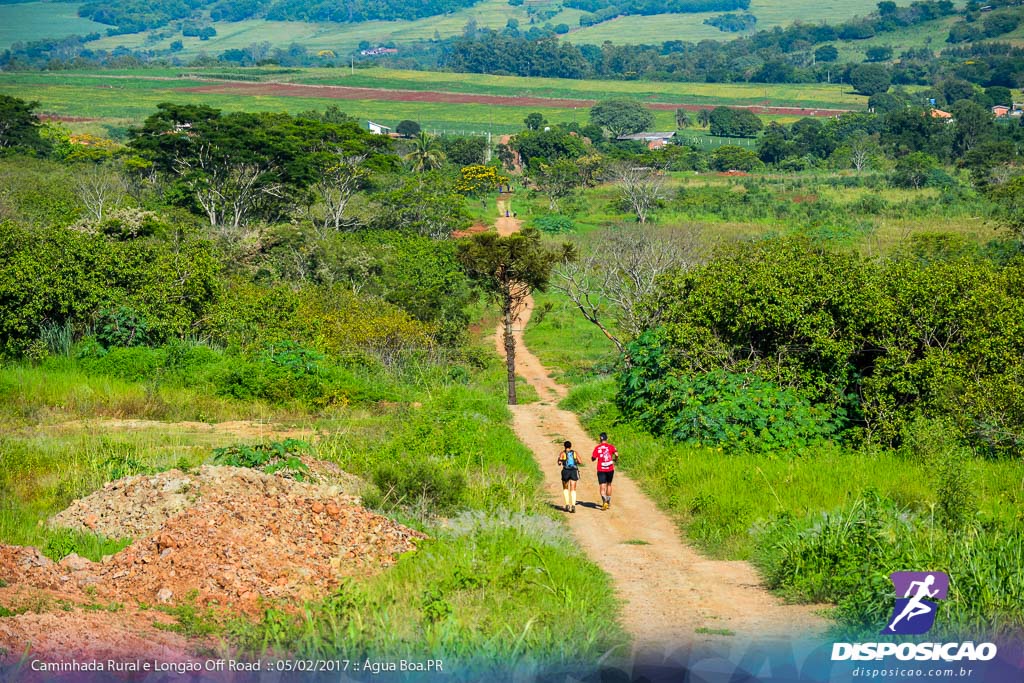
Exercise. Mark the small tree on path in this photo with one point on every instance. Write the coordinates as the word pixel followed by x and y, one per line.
pixel 508 269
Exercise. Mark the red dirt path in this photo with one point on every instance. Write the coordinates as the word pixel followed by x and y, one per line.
pixel 338 92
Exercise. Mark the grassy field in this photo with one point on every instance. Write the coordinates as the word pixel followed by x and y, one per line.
pixel 29 21
pixel 770 13
pixel 116 100
pixel 36 20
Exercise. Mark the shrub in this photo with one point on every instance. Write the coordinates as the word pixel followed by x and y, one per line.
pixel 553 224
pixel 273 457
pixel 739 412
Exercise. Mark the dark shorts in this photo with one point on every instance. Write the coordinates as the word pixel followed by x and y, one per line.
pixel 570 474
pixel 605 477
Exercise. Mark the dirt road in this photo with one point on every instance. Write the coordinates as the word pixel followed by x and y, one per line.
pixel 668 589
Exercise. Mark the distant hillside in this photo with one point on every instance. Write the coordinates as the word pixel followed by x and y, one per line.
pixel 132 16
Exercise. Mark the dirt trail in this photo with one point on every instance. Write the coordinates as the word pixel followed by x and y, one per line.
pixel 668 588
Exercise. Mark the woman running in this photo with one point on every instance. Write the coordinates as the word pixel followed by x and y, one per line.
pixel 570 475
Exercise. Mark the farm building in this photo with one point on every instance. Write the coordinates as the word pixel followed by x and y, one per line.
pixel 378 129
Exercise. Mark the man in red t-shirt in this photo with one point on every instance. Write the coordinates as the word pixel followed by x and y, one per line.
pixel 605 455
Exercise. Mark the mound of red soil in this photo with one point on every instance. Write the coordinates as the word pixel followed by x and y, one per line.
pixel 244 540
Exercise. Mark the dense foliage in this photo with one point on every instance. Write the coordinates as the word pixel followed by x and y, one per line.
pixel 131 17
pixel 874 343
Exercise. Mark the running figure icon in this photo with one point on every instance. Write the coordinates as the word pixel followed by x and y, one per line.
pixel 919 590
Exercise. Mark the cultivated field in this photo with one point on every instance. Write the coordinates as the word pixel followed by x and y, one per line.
pixel 113 100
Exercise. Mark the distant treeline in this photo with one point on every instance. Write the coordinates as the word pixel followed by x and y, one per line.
pixel 132 16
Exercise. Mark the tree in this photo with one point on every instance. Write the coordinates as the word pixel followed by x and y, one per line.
pixel 704 118
pixel 878 53
pixel 1009 199
pixel 427 205
pixel 610 284
pixel 19 127
pixel 508 269
pixel 478 179
pixel 869 79
pixel 640 187
pixel 862 148
pixel 407 128
pixel 914 169
pixel 426 154
pixel 972 124
pixel 826 53
pixel 683 118
pixel 339 181
pixel 100 187
pixel 556 180
pixel 733 158
pixel 534 121
pixel 238 167
pixel 621 116
pixel 547 145
pixel 734 123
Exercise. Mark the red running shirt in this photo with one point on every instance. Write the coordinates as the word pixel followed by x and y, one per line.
pixel 604 454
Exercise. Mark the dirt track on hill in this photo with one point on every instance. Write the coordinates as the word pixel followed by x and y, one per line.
pixel 339 92
pixel 669 590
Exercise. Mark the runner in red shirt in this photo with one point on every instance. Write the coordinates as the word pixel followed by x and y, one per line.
pixel 605 455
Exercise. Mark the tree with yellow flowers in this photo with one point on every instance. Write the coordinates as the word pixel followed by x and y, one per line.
pixel 477 179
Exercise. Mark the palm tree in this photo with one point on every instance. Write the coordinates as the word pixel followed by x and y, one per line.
pixel 426 154
pixel 704 118
pixel 683 118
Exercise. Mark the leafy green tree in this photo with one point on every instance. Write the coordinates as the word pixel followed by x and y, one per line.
pixel 878 53
pixel 407 128
pixel 621 116
pixel 547 145
pixel 972 123
pixel 508 269
pixel 1009 199
pixel 239 166
pixel 914 170
pixel 826 53
pixel 426 204
pixel 534 121
pixel 869 79
pixel 464 150
pixel 19 127
pixel 734 123
pixel 556 180
pixel 426 153
pixel 733 158
pixel 704 118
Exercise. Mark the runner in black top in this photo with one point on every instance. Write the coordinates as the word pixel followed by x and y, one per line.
pixel 570 463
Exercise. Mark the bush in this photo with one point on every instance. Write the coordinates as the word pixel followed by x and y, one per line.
pixel 739 412
pixel 554 224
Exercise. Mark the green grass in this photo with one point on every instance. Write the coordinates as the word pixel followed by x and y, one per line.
pixel 718 499
pixel 37 20
pixel 28 21
pixel 496 584
pixel 658 28
pixel 339 38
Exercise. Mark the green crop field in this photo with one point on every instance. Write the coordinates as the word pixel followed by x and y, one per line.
pixel 809 95
pixel 37 20
pixel 117 99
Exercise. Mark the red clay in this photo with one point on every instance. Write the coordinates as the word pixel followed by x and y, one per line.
pixel 338 92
